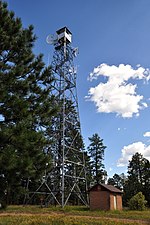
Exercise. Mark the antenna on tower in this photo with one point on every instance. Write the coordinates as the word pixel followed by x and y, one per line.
pixel 52 39
pixel 75 51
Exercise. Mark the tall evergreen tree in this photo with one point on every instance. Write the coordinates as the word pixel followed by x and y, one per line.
pixel 26 106
pixel 146 179
pixel 138 178
pixel 96 153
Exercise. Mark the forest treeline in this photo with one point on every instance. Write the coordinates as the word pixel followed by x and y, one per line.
pixel 27 108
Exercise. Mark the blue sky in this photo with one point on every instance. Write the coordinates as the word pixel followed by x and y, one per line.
pixel 113 67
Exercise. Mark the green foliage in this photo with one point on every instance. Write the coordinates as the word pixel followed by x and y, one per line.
pixel 26 106
pixel 138 178
pixel 137 202
pixel 96 153
pixel 117 180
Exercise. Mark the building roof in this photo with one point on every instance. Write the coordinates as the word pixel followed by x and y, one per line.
pixel 108 187
pixel 62 30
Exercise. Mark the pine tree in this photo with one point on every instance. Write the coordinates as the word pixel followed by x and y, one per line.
pixel 26 106
pixel 146 179
pixel 138 178
pixel 96 153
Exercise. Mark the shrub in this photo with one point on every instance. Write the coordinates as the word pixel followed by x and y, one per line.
pixel 137 202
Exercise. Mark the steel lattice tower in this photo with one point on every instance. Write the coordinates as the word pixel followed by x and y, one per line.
pixel 68 176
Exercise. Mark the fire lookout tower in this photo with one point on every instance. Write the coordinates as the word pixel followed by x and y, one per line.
pixel 67 179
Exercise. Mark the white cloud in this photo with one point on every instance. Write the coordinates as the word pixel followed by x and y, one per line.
pixel 129 150
pixel 120 129
pixel 120 73
pixel 146 134
pixel 116 95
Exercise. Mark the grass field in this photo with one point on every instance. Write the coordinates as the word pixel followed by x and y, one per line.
pixel 34 215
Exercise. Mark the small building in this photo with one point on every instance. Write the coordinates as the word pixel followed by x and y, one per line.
pixel 105 197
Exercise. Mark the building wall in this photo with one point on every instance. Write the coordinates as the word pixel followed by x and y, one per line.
pixel 99 200
pixel 118 202
pixel 104 200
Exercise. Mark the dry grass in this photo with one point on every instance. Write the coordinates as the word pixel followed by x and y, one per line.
pixel 34 215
